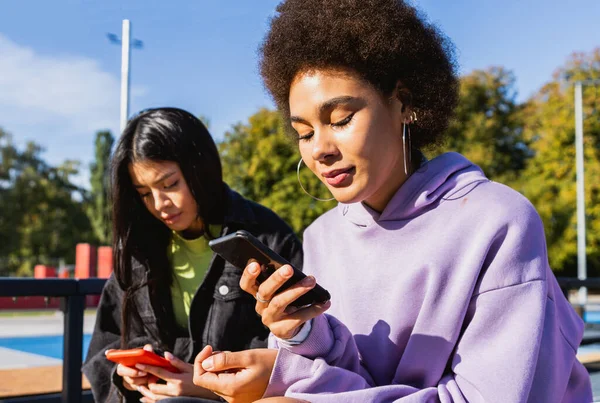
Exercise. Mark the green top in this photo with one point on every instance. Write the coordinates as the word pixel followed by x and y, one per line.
pixel 190 259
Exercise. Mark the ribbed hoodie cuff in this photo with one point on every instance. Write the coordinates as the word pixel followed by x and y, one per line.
pixel 319 342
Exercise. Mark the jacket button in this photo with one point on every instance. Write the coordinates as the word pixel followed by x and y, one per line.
pixel 223 290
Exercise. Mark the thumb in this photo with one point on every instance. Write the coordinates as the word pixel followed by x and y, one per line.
pixel 226 360
pixel 202 355
pixel 177 363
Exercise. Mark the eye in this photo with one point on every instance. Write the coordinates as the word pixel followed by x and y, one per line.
pixel 171 186
pixel 306 137
pixel 343 122
pixel 145 195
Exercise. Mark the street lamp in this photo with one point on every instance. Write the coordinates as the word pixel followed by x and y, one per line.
pixel 126 44
pixel 579 157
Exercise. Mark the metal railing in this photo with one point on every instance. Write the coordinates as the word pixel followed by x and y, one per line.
pixel 72 294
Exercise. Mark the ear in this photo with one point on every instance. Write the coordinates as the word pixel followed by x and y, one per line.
pixel 404 97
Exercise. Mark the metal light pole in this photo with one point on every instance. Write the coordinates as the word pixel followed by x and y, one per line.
pixel 581 256
pixel 126 44
pixel 125 77
pixel 579 156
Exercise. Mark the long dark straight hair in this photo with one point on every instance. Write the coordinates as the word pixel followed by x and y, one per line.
pixel 161 134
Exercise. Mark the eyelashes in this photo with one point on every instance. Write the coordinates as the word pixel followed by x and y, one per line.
pixel 339 124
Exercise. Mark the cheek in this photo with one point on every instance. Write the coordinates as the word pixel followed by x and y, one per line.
pixel 305 153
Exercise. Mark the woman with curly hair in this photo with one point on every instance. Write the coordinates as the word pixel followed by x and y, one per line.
pixel 441 288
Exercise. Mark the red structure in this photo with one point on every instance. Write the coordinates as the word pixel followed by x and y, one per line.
pixel 85 261
pixel 105 261
pixel 42 271
pixel 89 263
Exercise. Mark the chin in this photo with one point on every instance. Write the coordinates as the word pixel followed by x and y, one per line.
pixel 347 195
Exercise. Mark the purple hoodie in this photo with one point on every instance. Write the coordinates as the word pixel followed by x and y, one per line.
pixel 446 296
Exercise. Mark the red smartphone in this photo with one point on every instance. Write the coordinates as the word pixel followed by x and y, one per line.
pixel 134 356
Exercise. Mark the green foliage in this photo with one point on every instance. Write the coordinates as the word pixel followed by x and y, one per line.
pixel 550 177
pixel 260 162
pixel 488 125
pixel 43 216
pixel 99 210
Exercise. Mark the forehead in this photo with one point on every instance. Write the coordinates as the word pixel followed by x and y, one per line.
pixel 147 172
pixel 313 88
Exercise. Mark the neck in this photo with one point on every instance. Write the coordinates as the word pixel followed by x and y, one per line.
pixel 196 230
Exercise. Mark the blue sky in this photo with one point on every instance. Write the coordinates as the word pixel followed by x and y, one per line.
pixel 59 75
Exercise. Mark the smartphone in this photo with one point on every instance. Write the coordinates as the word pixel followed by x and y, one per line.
pixel 242 248
pixel 140 356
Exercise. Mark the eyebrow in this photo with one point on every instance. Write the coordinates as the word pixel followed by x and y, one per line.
pixel 330 104
pixel 162 178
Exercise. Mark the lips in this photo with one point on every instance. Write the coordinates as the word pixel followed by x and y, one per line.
pixel 171 217
pixel 338 177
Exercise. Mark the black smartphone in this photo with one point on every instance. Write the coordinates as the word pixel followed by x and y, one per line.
pixel 241 248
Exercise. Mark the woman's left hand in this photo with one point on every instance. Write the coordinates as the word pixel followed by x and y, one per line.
pixel 238 377
pixel 180 384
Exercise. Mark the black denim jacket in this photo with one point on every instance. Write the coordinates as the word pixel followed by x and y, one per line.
pixel 221 313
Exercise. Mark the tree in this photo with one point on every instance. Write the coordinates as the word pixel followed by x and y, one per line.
pixel 260 160
pixel 42 214
pixel 550 176
pixel 99 209
pixel 488 125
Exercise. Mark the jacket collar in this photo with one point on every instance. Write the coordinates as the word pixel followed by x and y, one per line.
pixel 239 210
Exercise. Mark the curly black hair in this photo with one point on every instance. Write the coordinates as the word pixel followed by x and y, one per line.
pixel 383 41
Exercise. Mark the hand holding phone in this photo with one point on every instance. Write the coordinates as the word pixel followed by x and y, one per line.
pixel 242 248
pixel 133 356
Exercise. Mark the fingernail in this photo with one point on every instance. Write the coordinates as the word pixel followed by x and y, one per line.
pixel 287 271
pixel 169 356
pixel 310 280
pixel 207 364
pixel 253 269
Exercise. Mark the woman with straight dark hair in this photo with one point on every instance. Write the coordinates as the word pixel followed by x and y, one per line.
pixel 168 292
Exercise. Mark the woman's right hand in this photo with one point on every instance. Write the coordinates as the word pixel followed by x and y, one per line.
pixel 133 377
pixel 282 319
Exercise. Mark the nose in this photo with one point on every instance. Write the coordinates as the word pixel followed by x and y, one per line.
pixel 161 200
pixel 324 146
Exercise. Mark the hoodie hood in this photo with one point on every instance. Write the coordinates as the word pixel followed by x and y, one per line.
pixel 447 176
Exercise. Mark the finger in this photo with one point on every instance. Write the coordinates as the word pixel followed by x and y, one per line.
pixel 227 360
pixel 147 393
pixel 206 352
pixel 287 327
pixel 222 384
pixel 177 363
pixel 270 286
pixel 281 301
pixel 148 347
pixel 122 370
pixel 135 381
pixel 159 389
pixel 248 280
pixel 162 373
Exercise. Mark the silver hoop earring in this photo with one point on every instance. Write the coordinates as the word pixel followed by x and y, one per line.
pixel 407 153
pixel 305 191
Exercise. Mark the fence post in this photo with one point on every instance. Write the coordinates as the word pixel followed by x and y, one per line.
pixel 72 307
